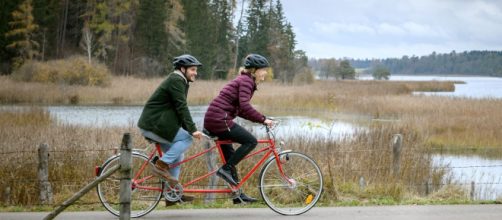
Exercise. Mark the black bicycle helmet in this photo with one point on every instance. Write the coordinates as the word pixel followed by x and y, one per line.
pixel 185 60
pixel 255 61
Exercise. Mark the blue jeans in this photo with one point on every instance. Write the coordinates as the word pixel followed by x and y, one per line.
pixel 174 151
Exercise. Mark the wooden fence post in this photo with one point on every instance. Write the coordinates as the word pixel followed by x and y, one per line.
pixel 362 184
pixel 6 195
pixel 397 143
pixel 473 189
pixel 428 186
pixel 125 176
pixel 43 174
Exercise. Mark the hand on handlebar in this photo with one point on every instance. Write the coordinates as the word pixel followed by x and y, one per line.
pixel 197 134
pixel 268 122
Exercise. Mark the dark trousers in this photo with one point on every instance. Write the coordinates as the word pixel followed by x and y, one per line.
pixel 240 135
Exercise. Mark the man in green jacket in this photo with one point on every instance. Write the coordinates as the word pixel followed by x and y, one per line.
pixel 166 119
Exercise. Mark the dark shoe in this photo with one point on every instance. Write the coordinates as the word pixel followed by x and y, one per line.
pixel 244 198
pixel 226 174
pixel 184 198
pixel 187 198
pixel 161 169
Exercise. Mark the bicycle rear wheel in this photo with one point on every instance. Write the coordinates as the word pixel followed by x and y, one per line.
pixel 143 201
pixel 295 192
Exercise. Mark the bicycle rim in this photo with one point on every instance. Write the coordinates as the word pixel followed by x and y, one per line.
pixel 296 196
pixel 142 201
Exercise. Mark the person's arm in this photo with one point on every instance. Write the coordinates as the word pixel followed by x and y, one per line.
pixel 246 110
pixel 177 91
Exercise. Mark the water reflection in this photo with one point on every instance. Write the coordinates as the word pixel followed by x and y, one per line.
pixel 485 173
pixel 103 116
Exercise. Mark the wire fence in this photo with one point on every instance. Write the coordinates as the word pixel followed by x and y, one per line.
pixel 56 158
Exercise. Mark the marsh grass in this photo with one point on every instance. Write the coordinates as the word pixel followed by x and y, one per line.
pixel 426 122
pixel 74 152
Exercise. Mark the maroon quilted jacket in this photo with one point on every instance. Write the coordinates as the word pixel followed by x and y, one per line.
pixel 232 101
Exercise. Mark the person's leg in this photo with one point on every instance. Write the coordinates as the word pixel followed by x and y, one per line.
pixel 246 139
pixel 173 153
pixel 248 142
pixel 179 145
pixel 175 171
pixel 227 150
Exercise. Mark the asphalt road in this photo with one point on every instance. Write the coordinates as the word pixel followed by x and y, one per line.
pixel 439 212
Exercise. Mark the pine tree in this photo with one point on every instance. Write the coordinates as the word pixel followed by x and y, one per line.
pixel 222 59
pixel 345 71
pixel 176 42
pixel 256 38
pixel 199 27
pixel 268 33
pixel 45 13
pixel 102 28
pixel 7 7
pixel 23 30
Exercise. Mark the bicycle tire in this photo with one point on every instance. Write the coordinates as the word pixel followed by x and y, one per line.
pixel 142 201
pixel 290 199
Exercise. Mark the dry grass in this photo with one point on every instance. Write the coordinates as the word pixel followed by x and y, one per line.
pixel 424 121
pixel 76 150
pixel 74 153
pixel 123 90
pixel 450 122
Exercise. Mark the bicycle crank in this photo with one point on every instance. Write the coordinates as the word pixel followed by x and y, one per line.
pixel 172 193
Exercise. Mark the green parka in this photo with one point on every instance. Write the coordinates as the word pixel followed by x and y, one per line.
pixel 167 110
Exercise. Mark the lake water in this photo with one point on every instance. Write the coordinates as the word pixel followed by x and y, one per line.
pixel 485 173
pixel 104 116
pixel 474 87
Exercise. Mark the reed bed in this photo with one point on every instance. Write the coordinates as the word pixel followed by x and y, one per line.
pixel 76 150
pixel 425 122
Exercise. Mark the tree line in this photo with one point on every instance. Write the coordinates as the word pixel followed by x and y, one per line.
pixel 140 37
pixel 486 63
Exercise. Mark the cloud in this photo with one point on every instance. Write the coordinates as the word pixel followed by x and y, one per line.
pixel 394 28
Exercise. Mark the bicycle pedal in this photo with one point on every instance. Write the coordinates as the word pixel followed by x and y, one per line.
pixel 154 159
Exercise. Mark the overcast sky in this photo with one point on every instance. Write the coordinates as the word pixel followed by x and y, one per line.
pixel 393 28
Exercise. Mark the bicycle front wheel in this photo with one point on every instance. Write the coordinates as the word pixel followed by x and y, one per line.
pixel 295 190
pixel 145 193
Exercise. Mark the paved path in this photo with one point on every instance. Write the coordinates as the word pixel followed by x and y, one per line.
pixel 439 212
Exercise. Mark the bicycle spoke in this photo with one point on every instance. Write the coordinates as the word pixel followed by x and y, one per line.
pixel 142 200
pixel 294 195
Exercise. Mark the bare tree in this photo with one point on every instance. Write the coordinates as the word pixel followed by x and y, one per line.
pixel 87 42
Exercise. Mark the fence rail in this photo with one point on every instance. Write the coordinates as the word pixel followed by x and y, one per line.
pixel 125 182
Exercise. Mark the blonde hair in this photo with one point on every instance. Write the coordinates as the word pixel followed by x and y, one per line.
pixel 252 71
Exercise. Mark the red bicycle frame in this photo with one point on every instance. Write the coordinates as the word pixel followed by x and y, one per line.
pixel 269 150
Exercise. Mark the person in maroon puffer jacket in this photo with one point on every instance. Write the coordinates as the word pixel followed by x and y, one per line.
pixel 234 100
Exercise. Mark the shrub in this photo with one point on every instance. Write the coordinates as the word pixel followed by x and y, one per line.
pixel 304 77
pixel 72 71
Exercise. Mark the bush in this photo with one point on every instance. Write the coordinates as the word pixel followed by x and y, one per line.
pixel 304 77
pixel 72 71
